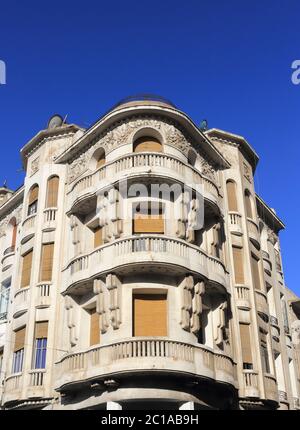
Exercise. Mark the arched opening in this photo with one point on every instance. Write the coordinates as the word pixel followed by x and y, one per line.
pixel 248 204
pixel 52 192
pixel 231 196
pixel 147 144
pixel 33 200
pixel 13 224
pixel 100 158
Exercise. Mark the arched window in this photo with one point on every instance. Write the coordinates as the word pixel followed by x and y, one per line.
pixel 100 159
pixel 248 204
pixel 52 192
pixel 231 196
pixel 147 144
pixel 13 224
pixel 33 200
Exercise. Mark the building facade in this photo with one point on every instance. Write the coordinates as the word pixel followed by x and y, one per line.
pixel 140 270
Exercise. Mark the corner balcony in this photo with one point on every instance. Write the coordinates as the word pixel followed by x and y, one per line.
pixel 251 388
pixel 138 165
pixel 21 302
pixel 8 258
pixel 261 302
pixel 150 251
pixel 21 386
pixel 135 355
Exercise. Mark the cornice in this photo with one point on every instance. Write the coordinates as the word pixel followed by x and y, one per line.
pixel 115 117
pixel 11 204
pixel 268 215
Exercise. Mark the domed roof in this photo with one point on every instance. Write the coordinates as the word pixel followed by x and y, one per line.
pixel 143 99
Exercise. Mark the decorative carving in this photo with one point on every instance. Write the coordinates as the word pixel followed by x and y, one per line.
pixel 197 307
pixel 71 320
pixel 101 304
pixel 75 233
pixel 247 172
pixel 34 165
pixel 113 284
pixel 187 286
pixel 272 236
pixel 220 324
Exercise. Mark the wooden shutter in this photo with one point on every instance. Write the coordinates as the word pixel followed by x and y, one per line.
pixel 19 339
pixel 33 194
pixel 255 272
pixel 41 329
pixel 98 240
pixel 150 315
pixel 14 235
pixel 46 262
pixel 231 196
pixel 238 265
pixel 148 224
pixel 248 206
pixel 52 192
pixel 147 144
pixel 26 269
pixel 246 343
pixel 94 328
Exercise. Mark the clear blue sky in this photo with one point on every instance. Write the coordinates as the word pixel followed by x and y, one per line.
pixel 227 61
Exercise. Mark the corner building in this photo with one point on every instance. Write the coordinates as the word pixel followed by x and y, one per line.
pixel 107 305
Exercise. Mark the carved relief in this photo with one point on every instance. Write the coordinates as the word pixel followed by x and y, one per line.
pixel 220 324
pixel 247 172
pixel 187 286
pixel 34 166
pixel 101 304
pixel 197 307
pixel 71 320
pixel 113 284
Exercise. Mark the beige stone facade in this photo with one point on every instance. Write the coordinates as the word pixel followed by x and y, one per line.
pixel 116 299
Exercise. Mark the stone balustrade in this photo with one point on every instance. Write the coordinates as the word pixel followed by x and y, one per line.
pixel 235 223
pixel 142 354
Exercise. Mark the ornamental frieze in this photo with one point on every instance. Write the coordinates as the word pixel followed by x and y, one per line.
pixel 124 131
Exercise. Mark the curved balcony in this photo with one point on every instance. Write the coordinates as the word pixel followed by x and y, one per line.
pixel 164 253
pixel 250 388
pixel 28 228
pixel 12 387
pixel 261 303
pixel 139 165
pixel 49 223
pixel 271 392
pixel 235 223
pixel 143 355
pixel 42 295
pixel 8 258
pixel 253 232
pixel 242 296
pixel 21 302
pixel 19 386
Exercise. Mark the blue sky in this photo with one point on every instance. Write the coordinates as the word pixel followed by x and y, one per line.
pixel 227 61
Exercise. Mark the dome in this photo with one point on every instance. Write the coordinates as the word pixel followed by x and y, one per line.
pixel 143 99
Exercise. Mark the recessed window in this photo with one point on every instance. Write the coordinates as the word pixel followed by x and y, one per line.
pixel 147 144
pixel 149 315
pixel 40 346
pixel 52 192
pixel 231 196
pixel 33 200
pixel 18 357
pixel 148 217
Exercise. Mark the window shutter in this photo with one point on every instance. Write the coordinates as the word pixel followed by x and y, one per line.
pixel 238 265
pixel 248 206
pixel 41 329
pixel 231 196
pixel 94 328
pixel 33 194
pixel 148 224
pixel 52 192
pixel 246 343
pixel 14 235
pixel 98 241
pixel 147 144
pixel 150 315
pixel 26 269
pixel 255 272
pixel 46 262
pixel 19 339
pixel 101 161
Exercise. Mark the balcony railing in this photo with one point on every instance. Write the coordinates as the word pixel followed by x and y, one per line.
pixel 153 249
pixel 141 354
pixel 165 162
pixel 9 250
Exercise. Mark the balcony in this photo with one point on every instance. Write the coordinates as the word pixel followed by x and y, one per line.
pixel 142 355
pixel 242 296
pixel 253 232
pixel 20 386
pixel 235 223
pixel 137 165
pixel 8 258
pixel 49 219
pixel 261 303
pixel 166 254
pixel 271 392
pixel 42 295
pixel 21 302
pixel 12 387
pixel 250 388
pixel 28 228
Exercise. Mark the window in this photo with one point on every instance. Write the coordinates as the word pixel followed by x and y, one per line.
pixel 248 204
pixel 33 200
pixel 231 196
pixel 94 327
pixel 98 239
pixel 26 269
pixel 46 262
pixel 52 192
pixel 18 356
pixel 148 218
pixel 40 347
pixel 101 160
pixel 149 315
pixel 4 299
pixel 246 346
pixel 238 265
pixel 255 272
pixel 147 144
